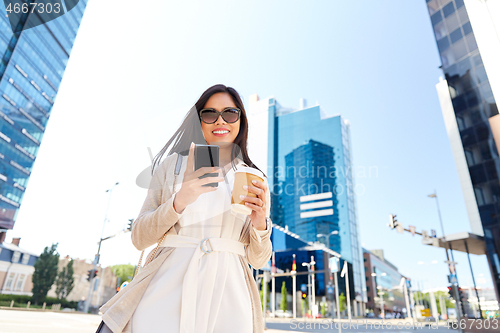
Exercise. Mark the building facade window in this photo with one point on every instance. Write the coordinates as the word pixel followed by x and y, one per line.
pixel 20 282
pixel 16 256
pixel 10 281
pixel 26 258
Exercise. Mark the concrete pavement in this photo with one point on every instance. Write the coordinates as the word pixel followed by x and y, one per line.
pixel 18 321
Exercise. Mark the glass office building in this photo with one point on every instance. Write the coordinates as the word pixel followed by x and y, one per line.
pixel 383 279
pixel 467 33
pixel 31 69
pixel 306 155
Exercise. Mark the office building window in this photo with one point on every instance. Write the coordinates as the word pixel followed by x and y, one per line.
pixel 467 28
pixel 436 18
pixel 448 9
pixel 456 35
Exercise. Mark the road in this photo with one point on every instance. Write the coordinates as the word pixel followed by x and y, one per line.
pixel 358 326
pixel 18 321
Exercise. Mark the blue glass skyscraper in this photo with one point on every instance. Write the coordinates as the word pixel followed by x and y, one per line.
pixel 467 39
pixel 307 158
pixel 31 69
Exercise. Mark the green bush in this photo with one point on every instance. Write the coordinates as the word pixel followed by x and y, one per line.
pixel 19 300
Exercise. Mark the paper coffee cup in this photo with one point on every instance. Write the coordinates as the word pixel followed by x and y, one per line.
pixel 244 176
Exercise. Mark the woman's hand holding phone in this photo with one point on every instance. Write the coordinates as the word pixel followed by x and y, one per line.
pixel 192 185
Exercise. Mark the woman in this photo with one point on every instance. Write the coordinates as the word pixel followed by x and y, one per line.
pixel 194 285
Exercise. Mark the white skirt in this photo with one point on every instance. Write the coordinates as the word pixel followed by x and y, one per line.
pixel 225 309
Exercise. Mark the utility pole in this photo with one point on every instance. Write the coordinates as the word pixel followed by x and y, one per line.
pixel 88 301
pixel 308 282
pixel 337 300
pixel 273 292
pixel 294 287
pixel 265 278
pixel 313 287
pixel 327 237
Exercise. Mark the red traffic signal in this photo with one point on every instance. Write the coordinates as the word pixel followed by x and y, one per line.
pixel 91 273
pixel 393 223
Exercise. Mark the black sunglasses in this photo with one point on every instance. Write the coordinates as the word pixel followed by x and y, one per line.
pixel 210 115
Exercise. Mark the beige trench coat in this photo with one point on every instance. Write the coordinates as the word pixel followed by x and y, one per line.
pixel 158 216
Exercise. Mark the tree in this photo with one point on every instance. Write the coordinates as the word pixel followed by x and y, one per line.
pixel 45 273
pixel 284 303
pixel 342 303
pixel 323 309
pixel 123 272
pixel 65 281
pixel 305 306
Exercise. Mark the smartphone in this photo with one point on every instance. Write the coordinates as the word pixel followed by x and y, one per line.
pixel 206 156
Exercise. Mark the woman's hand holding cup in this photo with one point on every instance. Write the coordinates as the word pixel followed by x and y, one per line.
pixel 192 185
pixel 249 195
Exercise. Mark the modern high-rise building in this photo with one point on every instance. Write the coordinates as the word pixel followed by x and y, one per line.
pixel 306 156
pixel 383 285
pixel 468 39
pixel 32 65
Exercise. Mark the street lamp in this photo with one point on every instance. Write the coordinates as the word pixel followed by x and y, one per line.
pixel 327 236
pixel 310 286
pixel 96 260
pixel 308 281
pixel 380 293
pixel 434 195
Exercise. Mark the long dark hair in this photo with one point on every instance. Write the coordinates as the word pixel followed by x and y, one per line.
pixel 190 130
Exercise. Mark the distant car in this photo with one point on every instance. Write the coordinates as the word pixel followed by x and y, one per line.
pixel 284 314
pixel 388 316
pixel 370 315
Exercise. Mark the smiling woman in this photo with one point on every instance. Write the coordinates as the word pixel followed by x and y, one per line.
pixel 199 278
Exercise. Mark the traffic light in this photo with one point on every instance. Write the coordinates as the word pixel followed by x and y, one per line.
pixel 89 274
pixel 129 227
pixel 462 298
pixel 461 295
pixel 451 292
pixel 304 295
pixel 392 221
pixel 118 283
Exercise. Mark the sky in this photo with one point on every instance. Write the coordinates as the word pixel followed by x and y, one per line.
pixel 137 68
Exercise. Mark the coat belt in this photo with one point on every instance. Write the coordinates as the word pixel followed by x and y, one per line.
pixel 203 247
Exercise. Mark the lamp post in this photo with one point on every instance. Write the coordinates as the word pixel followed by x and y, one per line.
pixel 96 259
pixel 453 285
pixel 378 293
pixel 308 281
pixel 327 237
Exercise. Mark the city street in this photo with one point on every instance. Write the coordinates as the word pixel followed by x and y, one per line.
pixel 360 326
pixel 18 321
